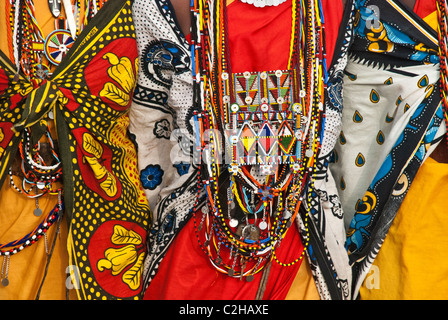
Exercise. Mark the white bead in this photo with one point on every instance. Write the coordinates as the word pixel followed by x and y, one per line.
pixel 233 223
pixel 264 107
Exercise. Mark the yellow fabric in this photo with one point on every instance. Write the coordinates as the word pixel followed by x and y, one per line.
pixel 3 28
pixel 413 261
pixel 303 286
pixel 432 20
pixel 26 269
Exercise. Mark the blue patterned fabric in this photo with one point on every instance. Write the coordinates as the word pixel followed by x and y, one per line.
pixel 393 67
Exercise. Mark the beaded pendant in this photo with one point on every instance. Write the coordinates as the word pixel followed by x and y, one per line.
pixel 55 7
pixel 258 135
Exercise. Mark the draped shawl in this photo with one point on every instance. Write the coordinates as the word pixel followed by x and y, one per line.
pixel 89 93
pixel 391 121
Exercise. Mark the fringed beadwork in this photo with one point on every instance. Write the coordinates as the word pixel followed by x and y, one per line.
pixel 258 134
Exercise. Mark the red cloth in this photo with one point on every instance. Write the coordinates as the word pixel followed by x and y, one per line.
pixel 259 34
pixel 259 40
pixel 424 7
pixel 186 273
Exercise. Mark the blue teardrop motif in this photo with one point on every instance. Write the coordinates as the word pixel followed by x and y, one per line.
pixel 380 137
pixel 342 184
pixel 342 139
pixel 389 119
pixel 423 82
pixel 389 81
pixel 357 118
pixel 351 76
pixel 360 160
pixel 374 96
pixel 406 107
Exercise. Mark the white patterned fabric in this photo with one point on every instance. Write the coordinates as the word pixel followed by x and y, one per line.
pixel 378 104
pixel 160 122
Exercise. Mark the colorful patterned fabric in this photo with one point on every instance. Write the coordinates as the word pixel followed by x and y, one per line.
pixel 89 93
pixel 391 121
pixel 162 109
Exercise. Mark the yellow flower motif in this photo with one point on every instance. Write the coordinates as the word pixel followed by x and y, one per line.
pixel 90 145
pixel 118 259
pixel 124 236
pixel 109 185
pixel 133 276
pixel 123 73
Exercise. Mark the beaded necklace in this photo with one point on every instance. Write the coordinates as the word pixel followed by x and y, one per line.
pixel 37 163
pixel 38 176
pixel 13 247
pixel 18 245
pixel 35 54
pixel 443 50
pixel 258 134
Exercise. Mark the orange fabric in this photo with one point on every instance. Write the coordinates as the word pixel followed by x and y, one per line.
pixel 412 263
pixel 259 40
pixel 26 269
pixel 303 287
pixel 44 19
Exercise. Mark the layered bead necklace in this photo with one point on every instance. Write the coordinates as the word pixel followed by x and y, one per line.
pixel 37 163
pixel 258 135
pixel 35 54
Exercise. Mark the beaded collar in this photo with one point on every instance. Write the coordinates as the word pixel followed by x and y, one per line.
pixel 258 135
pixel 264 3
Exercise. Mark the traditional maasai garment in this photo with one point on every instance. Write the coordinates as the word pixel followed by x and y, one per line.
pixel 40 271
pixel 162 120
pixel 88 95
pixel 391 122
pixel 405 268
